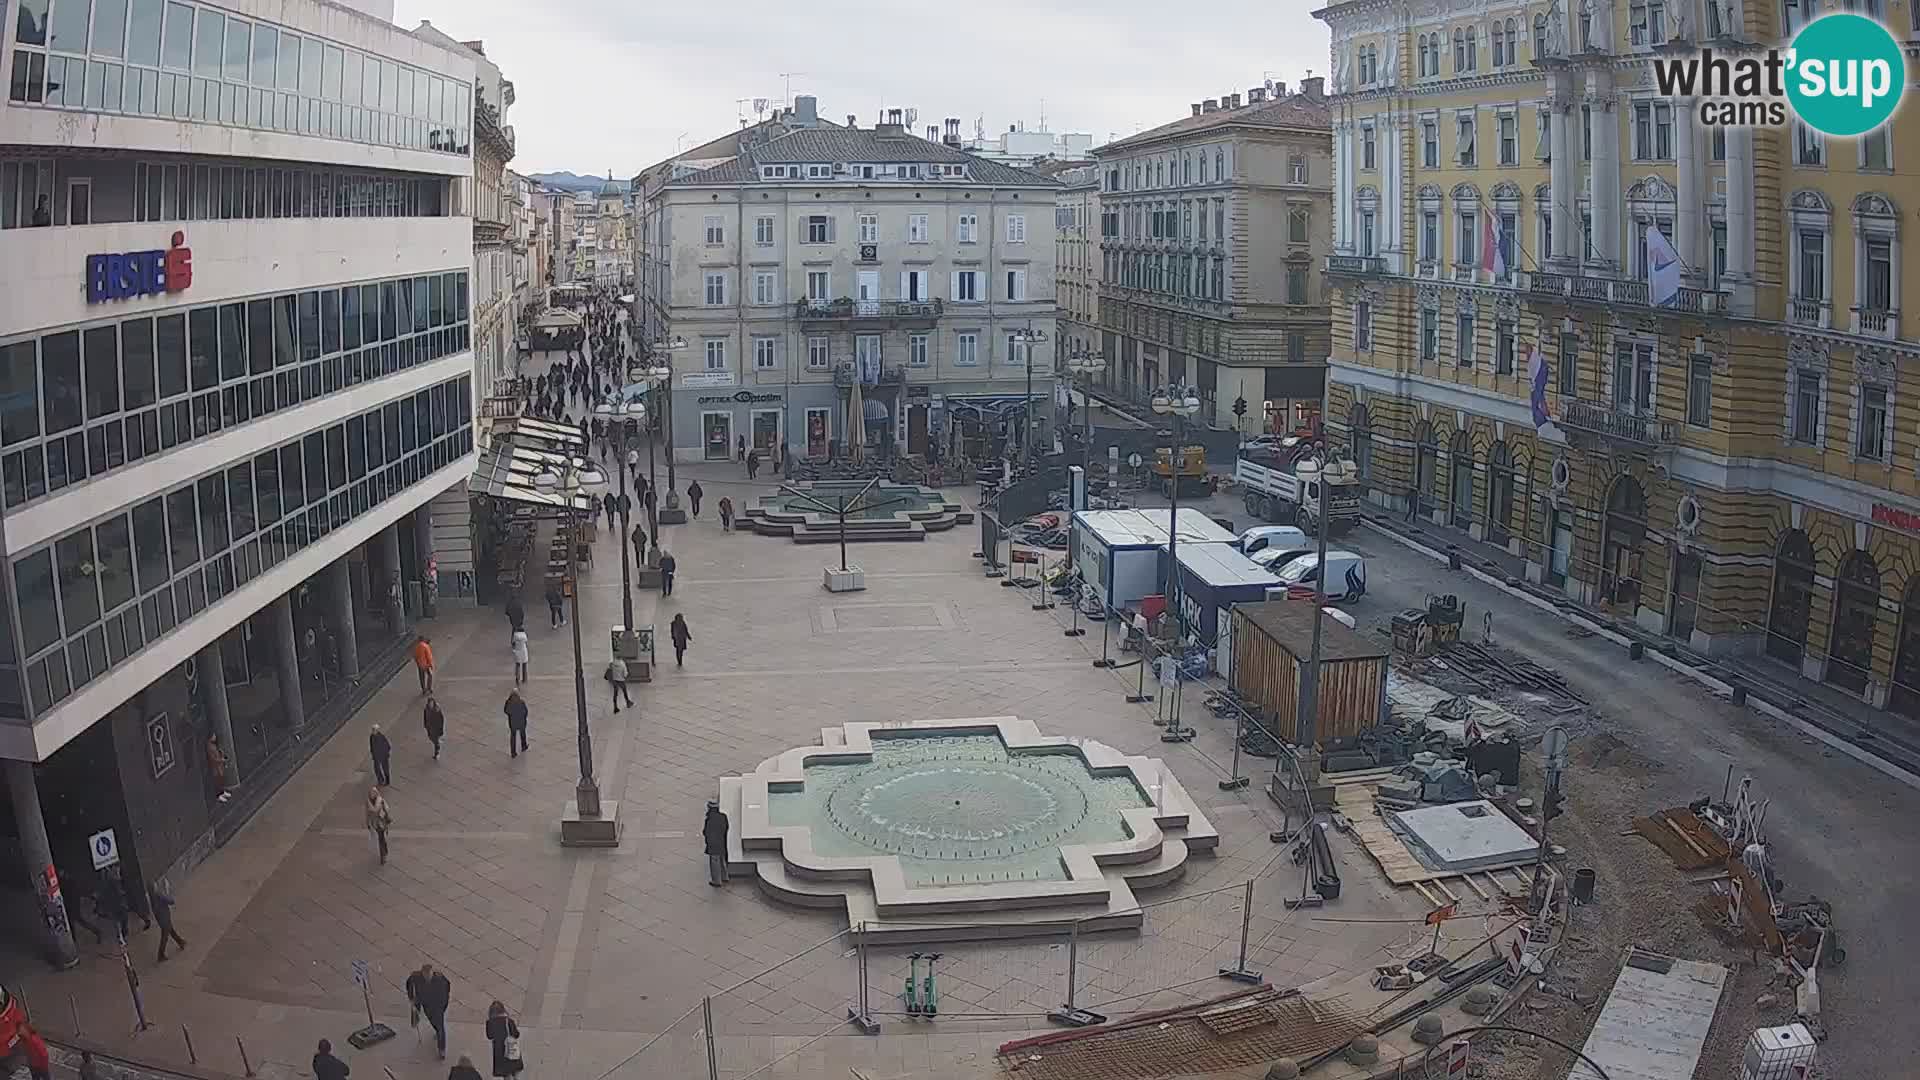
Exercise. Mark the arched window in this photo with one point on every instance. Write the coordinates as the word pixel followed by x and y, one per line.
pixel 1203 166
pixel 1904 695
pixel 1425 460
pixel 1460 486
pixel 1513 41
pixel 1186 168
pixel 1360 435
pixel 1539 37
pixel 1459 50
pixel 1856 610
pixel 1499 492
pixel 1621 536
pixel 1473 49
pixel 1219 166
pixel 1499 43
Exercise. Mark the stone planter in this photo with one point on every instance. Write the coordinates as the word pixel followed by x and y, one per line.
pixel 852 579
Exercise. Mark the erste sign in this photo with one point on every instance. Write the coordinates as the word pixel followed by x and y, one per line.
pixel 140 273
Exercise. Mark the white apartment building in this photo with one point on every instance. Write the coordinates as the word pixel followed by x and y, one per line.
pixel 827 255
pixel 235 355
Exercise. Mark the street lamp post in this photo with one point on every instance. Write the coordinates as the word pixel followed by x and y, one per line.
pixel 622 418
pixel 1179 403
pixel 1027 339
pixel 660 380
pixel 671 514
pixel 1082 366
pixel 586 822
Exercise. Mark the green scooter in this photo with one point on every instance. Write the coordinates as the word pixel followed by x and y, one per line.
pixel 927 1000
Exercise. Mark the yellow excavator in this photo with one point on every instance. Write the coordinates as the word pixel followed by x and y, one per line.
pixel 1191 474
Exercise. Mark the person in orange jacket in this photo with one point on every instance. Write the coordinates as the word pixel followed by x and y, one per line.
pixel 423 663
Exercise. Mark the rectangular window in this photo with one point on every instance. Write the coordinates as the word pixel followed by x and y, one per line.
pixel 763 230
pixel 1363 325
pixel 1663 131
pixel 1871 440
pixel 1429 144
pixel 1808 146
pixel 1367 147
pixel 1430 236
pixel 819 228
pixel 1509 139
pixel 917 350
pixel 869 228
pixel 1463 140
pixel 818 354
pixel 1296 285
pixel 765 290
pixel 967 227
pixel 1569 369
pixel 1016 285
pixel 1719 266
pixel 819 290
pixel 1429 335
pixel 1296 169
pixel 1299 220
pixel 716 355
pixel 1874 150
pixel 1699 390
pixel 966 350
pixel 1813 265
pixel 1296 347
pixel 763 354
pixel 1468 251
pixel 917 228
pixel 1016 228
pixel 966 286
pixel 716 289
pixel 1503 347
pixel 716 230
pixel 1463 340
pixel 1877 289
pixel 1806 408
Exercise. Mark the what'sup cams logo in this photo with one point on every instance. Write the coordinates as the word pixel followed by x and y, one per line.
pixel 1842 75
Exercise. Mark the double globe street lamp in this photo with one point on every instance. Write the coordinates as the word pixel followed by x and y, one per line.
pixel 585 823
pixel 670 513
pixel 1179 403
pixel 1027 339
pixel 1082 366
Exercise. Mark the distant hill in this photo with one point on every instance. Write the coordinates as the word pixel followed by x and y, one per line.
pixel 567 181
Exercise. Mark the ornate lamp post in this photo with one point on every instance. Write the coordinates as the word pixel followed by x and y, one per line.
pixel 670 513
pixel 586 823
pixel 622 418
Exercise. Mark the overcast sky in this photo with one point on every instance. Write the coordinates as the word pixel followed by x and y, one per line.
pixel 610 84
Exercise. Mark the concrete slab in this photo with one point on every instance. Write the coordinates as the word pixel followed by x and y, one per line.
pixel 1462 836
pixel 1655 1021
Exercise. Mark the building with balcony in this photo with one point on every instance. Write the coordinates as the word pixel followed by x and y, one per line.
pixel 1076 257
pixel 823 266
pixel 235 349
pixel 1734 467
pixel 1212 244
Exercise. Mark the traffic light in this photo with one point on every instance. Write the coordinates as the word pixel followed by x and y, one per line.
pixel 1239 406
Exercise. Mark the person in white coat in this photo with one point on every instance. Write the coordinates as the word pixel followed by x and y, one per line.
pixel 520 657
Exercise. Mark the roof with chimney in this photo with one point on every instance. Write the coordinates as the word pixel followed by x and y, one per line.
pixel 886 145
pixel 1295 111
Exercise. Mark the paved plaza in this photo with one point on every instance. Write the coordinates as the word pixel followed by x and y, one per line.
pixel 599 951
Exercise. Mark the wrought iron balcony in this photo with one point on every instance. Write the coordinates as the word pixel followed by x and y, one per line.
pixel 1617 425
pixel 1356 265
pixel 1616 292
pixel 898 312
pixel 843 376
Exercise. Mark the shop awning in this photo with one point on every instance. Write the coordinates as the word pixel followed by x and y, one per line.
pixel 538 434
pixel 558 319
pixel 507 471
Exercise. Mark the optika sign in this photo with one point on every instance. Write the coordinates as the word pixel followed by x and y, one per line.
pixel 140 273
pixel 1842 76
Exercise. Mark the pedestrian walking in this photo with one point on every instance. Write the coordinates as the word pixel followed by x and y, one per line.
pixel 429 992
pixel 726 514
pixel 379 820
pixel 516 713
pixel 423 662
pixel 624 504
pixel 89 1068
pixel 639 544
pixel 463 1070
pixel 556 611
pixel 714 829
pixel 160 899
pixel 617 679
pixel 435 722
pixel 607 504
pixel 668 564
pixel 382 750
pixel 694 491
pixel 520 657
pixel 326 1066
pixel 753 463
pixel 110 901
pixel 516 614
pixel 504 1034
pixel 681 635
pixel 779 458
pixel 217 768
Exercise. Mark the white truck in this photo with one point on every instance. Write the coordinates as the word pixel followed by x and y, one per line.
pixel 1284 483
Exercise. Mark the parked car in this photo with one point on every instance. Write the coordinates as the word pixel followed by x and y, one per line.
pixel 1261 537
pixel 1273 558
pixel 1344 577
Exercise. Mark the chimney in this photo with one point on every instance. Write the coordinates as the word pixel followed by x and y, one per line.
pixel 1279 90
pixel 953 131
pixel 1256 95
pixel 1236 102
pixel 852 121
pixel 1196 108
pixel 805 107
pixel 1314 87
pixel 933 133
pixel 1210 105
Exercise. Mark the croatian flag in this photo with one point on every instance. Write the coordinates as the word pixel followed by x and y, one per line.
pixel 1663 267
pixel 1537 394
pixel 1491 254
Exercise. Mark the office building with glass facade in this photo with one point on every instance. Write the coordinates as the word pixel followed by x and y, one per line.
pixel 235 367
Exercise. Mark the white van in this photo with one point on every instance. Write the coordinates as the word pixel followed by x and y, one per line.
pixel 1261 537
pixel 1345 577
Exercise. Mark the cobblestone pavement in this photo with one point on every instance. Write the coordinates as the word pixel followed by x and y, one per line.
pixel 598 951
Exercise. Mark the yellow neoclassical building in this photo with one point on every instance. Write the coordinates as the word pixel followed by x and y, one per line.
pixel 1740 468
